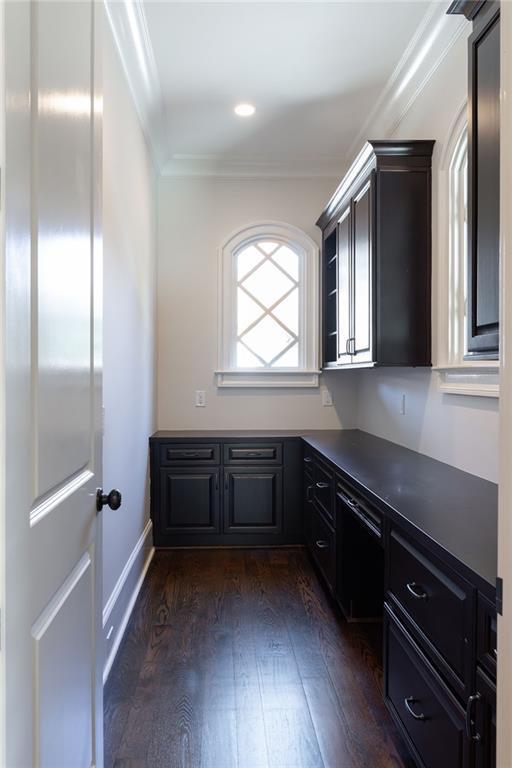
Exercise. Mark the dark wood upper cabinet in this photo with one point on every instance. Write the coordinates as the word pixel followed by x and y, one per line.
pixel 484 178
pixel 376 259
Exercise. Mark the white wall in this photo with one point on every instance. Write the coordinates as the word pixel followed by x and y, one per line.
pixel 129 206
pixel 462 431
pixel 195 216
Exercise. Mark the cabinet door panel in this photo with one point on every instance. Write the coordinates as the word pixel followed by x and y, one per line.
pixel 362 276
pixel 344 291
pixel 190 501
pixel 484 192
pixel 253 500
pixel 485 723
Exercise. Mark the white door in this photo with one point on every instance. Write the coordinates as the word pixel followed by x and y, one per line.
pixel 53 386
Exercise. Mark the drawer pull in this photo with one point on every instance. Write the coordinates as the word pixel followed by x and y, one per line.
pixel 308 459
pixel 472 700
pixel 409 701
pixel 416 591
pixel 308 493
pixel 253 453
pixel 322 485
pixel 322 544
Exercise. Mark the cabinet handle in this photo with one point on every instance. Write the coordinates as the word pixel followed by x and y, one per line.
pixel 308 459
pixel 308 493
pixel 346 500
pixel 416 591
pixel 253 453
pixel 472 700
pixel 216 482
pixel 347 343
pixel 322 544
pixel 226 482
pixel 409 701
pixel 322 485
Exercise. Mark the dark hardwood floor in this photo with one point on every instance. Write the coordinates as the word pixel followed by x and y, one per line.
pixel 237 658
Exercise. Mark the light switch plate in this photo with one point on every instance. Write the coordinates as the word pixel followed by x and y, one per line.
pixel 200 398
pixel 326 397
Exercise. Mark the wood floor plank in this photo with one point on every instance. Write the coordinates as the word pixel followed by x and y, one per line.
pixel 238 659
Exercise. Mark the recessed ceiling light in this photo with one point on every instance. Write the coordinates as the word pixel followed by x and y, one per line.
pixel 244 110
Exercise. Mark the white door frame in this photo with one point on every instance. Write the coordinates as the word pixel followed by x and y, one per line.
pixel 2 389
pixel 504 703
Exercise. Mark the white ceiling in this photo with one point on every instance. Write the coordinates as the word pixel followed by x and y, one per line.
pixel 313 70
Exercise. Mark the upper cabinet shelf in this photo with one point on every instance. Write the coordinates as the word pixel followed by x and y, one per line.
pixel 376 259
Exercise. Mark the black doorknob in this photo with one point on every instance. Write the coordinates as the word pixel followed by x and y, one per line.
pixel 113 499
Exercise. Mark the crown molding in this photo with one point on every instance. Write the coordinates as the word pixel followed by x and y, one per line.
pixel 201 166
pixel 436 34
pixel 127 22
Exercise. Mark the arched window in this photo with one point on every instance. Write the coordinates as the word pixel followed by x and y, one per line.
pixel 268 308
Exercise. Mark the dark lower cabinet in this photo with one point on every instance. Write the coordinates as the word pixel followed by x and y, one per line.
pixel 430 718
pixel 483 726
pixel 190 501
pixel 253 500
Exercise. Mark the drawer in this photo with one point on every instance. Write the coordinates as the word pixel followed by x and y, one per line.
pixel 321 541
pixel 324 490
pixel 308 460
pixel 203 453
pixel 367 515
pixel 438 601
pixel 253 453
pixel 432 720
pixel 487 637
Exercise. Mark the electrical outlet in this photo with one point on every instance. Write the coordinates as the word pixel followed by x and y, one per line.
pixel 326 396
pixel 200 398
pixel 402 405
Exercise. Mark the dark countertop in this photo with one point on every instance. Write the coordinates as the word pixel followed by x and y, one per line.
pixel 196 434
pixel 455 510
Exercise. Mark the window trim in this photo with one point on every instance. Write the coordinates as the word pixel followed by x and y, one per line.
pixel 307 375
pixel 457 375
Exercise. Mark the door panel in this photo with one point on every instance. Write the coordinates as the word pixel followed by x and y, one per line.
pixel 344 288
pixel 190 500
pixel 362 276
pixel 53 390
pixel 253 500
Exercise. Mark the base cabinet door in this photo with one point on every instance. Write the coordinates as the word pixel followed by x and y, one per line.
pixel 484 723
pixel 190 501
pixel 253 500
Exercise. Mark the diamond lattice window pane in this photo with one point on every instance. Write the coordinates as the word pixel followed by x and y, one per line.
pixel 245 359
pixel 267 339
pixel 247 311
pixel 267 246
pixel 288 311
pixel 267 284
pixel 288 260
pixel 290 359
pixel 247 259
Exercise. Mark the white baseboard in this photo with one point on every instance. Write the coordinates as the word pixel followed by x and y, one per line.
pixel 119 606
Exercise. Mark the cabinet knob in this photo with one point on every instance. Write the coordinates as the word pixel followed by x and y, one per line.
pixel 112 499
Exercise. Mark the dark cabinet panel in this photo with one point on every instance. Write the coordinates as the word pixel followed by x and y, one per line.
pixel 438 601
pixel 324 490
pixel 484 185
pixel 344 293
pixel 253 499
pixel 190 501
pixel 362 311
pixel 183 455
pixel 487 635
pixel 430 718
pixel 321 542
pixel 483 726
pixel 253 453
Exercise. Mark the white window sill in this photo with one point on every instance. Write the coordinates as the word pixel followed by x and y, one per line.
pixel 478 379
pixel 266 378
